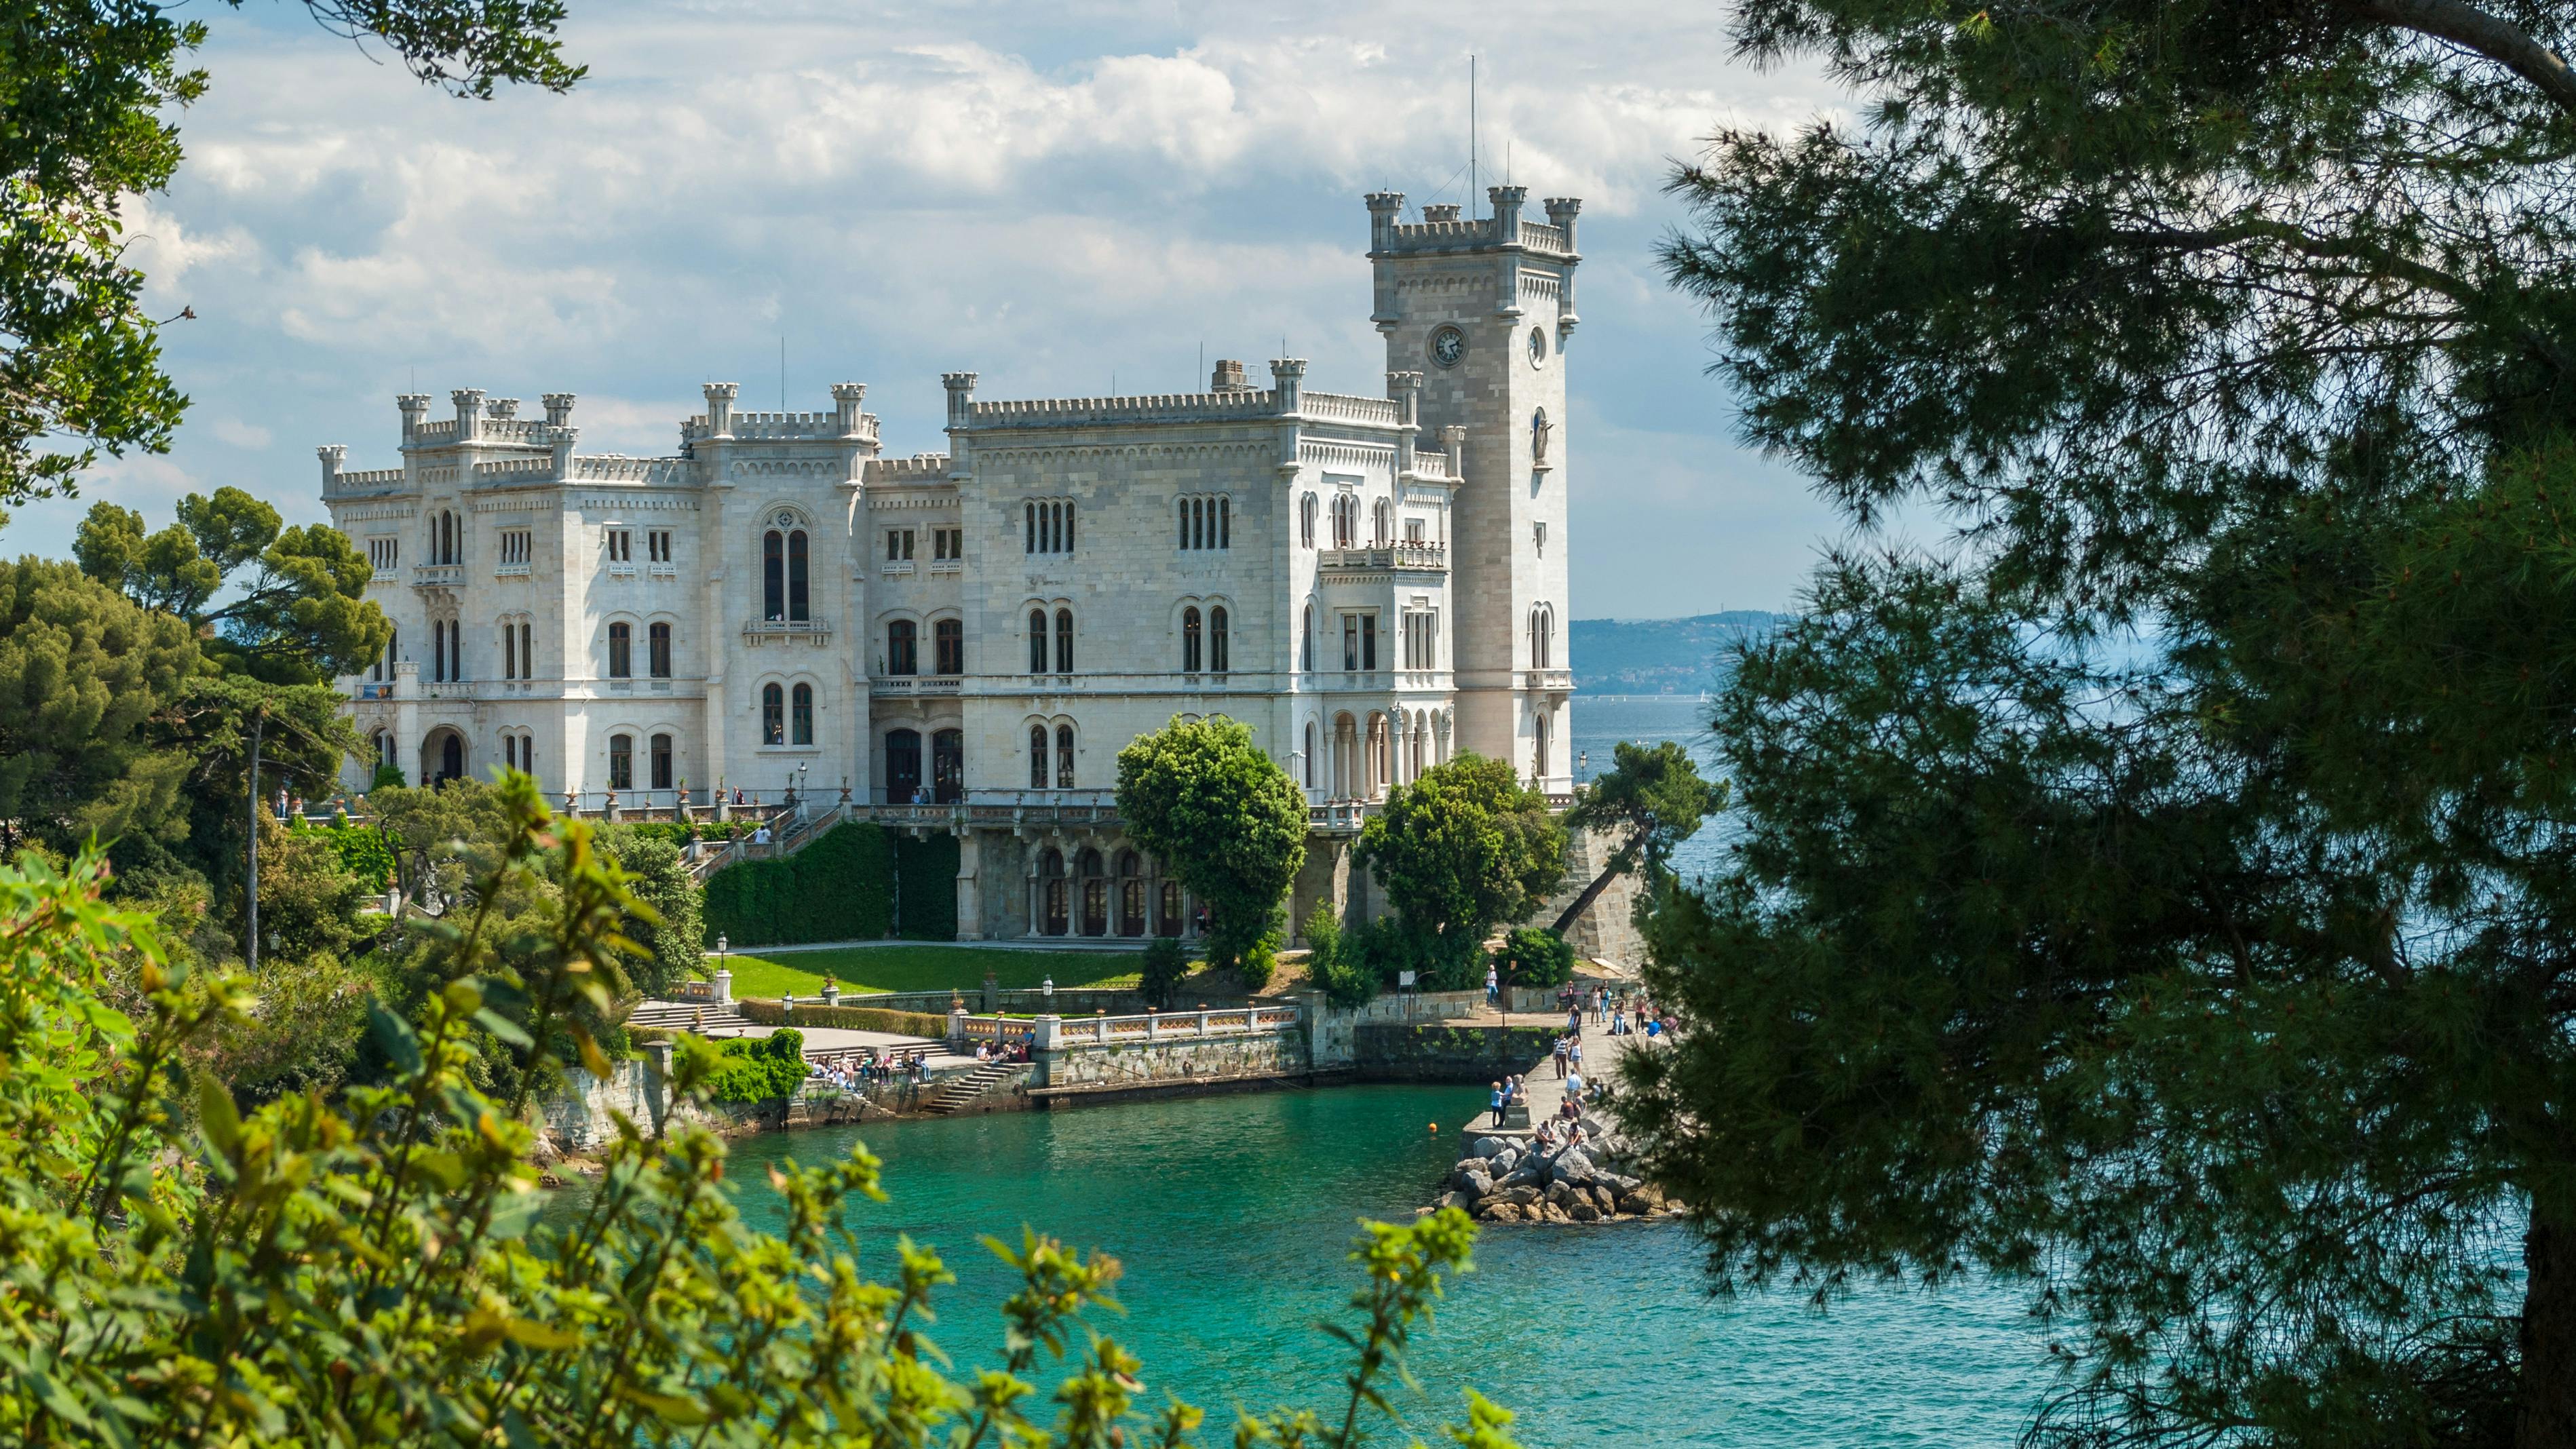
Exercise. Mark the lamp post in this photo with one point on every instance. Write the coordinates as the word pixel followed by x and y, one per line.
pixel 1582 766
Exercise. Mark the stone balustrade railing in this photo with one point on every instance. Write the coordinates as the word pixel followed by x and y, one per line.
pixel 1075 1033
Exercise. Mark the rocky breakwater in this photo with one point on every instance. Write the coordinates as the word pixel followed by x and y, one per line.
pixel 1517 1180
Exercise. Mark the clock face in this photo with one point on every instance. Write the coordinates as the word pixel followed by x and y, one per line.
pixel 1538 347
pixel 1447 346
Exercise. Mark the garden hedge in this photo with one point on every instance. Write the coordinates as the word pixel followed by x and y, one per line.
pixel 854 1018
pixel 840 888
pixel 928 868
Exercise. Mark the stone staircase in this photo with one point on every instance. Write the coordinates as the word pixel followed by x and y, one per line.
pixel 687 1016
pixel 963 1090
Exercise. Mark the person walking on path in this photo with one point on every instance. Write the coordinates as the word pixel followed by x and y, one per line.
pixel 1601 1005
pixel 1560 1058
pixel 1574 1055
pixel 1493 985
pixel 1498 1104
pixel 1574 1022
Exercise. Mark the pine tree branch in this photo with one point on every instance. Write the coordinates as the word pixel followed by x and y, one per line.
pixel 2497 39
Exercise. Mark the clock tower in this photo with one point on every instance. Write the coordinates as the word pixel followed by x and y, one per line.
pixel 1484 309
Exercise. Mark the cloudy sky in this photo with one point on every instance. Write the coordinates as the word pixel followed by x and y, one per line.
pixel 1061 197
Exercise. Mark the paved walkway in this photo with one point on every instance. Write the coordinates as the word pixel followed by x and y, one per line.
pixel 1546 1090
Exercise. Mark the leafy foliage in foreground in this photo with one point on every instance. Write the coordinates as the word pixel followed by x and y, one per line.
pixel 382 1271
pixel 2224 979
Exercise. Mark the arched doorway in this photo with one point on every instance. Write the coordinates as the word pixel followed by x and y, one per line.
pixel 903 766
pixel 948 766
pixel 442 756
pixel 1095 894
pixel 1051 885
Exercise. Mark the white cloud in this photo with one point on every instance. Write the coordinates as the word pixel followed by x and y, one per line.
pixel 1048 195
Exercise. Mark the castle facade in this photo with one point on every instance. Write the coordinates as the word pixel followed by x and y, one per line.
pixel 1372 582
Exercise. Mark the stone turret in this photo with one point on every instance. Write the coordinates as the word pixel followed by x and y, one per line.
pixel 1384 207
pixel 1288 376
pixel 469 409
pixel 1507 202
pixel 846 397
pixel 502 407
pixel 415 408
pixel 1560 214
pixel 558 408
pixel 562 439
pixel 961 395
pixel 720 396
pixel 332 455
pixel 1406 389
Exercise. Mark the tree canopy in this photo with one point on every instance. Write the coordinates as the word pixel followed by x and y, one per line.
pixel 1652 799
pixel 1462 849
pixel 85 677
pixel 2167 893
pixel 89 86
pixel 383 1270
pixel 1227 821
pixel 296 611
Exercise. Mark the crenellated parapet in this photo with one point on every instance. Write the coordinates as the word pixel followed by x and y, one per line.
pixel 1442 230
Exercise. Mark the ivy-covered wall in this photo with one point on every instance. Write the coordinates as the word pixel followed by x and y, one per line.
pixel 840 888
pixel 929 871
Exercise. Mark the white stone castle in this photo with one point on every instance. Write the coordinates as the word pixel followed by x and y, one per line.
pixel 965 640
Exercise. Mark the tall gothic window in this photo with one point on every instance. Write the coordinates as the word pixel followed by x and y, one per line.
pixel 796 597
pixel 949 638
pixel 773 715
pixel 903 647
pixel 1037 641
pixel 1306 650
pixel 1064 757
pixel 527 650
pixel 773 576
pixel 1037 757
pixel 621 762
pixel 621 651
pixel 1216 640
pixel 1306 521
pixel 1190 641
pixel 662 772
pixel 1064 641
pixel 802 716
pixel 509 651
pixel 659 637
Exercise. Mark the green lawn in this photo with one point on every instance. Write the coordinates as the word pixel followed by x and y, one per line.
pixel 924 968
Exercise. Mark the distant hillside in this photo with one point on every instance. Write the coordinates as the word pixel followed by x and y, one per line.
pixel 1661 656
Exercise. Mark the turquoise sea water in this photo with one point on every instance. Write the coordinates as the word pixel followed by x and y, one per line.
pixel 1231 1215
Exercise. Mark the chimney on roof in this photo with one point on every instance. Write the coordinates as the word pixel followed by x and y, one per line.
pixel 1228 377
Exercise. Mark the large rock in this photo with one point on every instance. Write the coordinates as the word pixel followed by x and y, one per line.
pixel 1602 1198
pixel 1489 1147
pixel 1521 1196
pixel 1582 1211
pixel 1640 1201
pixel 1473 1182
pixel 1561 1193
pixel 1454 1200
pixel 1499 1212
pixel 1531 1173
pixel 1572 1166
pixel 1504 1161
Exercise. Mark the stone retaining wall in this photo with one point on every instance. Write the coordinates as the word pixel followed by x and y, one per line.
pixel 1176 1061
pixel 1448 1053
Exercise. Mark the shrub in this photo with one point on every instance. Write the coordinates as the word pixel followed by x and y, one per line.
pixel 760 1069
pixel 381 1270
pixel 1532 956
pixel 1159 980
pixel 855 1018
pixel 1334 962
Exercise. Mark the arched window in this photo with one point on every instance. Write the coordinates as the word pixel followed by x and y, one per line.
pixel 451 758
pixel 903 766
pixel 1167 918
pixel 773 715
pixel 1383 519
pixel 947 766
pixel 1095 894
pixel 1131 894
pixel 1225 523
pixel 1310 754
pixel 1542 636
pixel 621 762
pixel 621 651
pixel 509 651
pixel 949 637
pixel 801 716
pixel 1051 888
pixel 1190 641
pixel 1064 757
pixel 1306 521
pixel 1216 640
pixel 662 762
pixel 1064 641
pixel 902 648
pixel 796 598
pixel 527 650
pixel 1037 639
pixel 1185 506
pixel 1306 649
pixel 773 576
pixel 1037 757
pixel 658 637
pixel 1538 743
